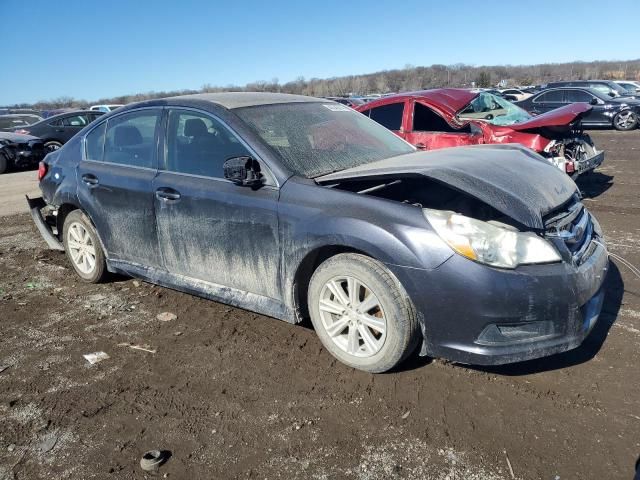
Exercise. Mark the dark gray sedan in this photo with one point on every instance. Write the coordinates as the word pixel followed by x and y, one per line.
pixel 300 207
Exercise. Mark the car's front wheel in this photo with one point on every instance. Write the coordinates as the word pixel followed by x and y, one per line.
pixel 625 120
pixel 361 313
pixel 83 247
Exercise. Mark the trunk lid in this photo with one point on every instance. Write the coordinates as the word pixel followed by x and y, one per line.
pixel 510 178
pixel 563 116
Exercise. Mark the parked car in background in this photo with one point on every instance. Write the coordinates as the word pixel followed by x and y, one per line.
pixel 449 117
pixel 606 87
pixel 515 95
pixel 298 207
pixel 105 108
pixel 621 113
pixel 17 150
pixel 57 130
pixel 632 87
pixel 10 122
pixel 349 102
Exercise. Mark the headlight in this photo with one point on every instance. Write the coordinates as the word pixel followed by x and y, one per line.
pixel 489 244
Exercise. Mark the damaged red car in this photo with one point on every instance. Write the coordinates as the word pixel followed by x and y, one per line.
pixel 449 117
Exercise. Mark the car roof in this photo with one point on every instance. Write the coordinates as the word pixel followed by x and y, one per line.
pixel 231 100
pixel 447 100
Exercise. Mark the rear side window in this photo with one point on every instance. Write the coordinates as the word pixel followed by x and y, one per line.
pixel 389 116
pixel 75 121
pixel 554 96
pixel 130 139
pixel 198 144
pixel 94 143
pixel 574 96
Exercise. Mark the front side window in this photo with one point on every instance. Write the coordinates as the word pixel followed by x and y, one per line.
pixel 198 144
pixel 426 120
pixel 574 96
pixel 129 138
pixel 389 116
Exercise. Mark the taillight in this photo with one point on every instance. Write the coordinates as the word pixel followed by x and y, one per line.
pixel 42 170
pixel 22 131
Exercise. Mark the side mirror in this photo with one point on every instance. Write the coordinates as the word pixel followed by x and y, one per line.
pixel 594 101
pixel 244 171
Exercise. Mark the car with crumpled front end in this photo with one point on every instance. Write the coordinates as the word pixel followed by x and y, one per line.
pixel 20 151
pixel 451 117
pixel 298 207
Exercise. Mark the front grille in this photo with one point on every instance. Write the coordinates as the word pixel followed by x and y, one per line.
pixel 574 229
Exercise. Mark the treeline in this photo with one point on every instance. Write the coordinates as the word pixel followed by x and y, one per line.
pixel 406 79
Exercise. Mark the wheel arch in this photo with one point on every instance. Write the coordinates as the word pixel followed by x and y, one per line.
pixel 63 212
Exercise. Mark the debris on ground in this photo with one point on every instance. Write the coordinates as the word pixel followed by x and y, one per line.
pixel 144 348
pixel 3 368
pixel 406 414
pixel 151 460
pixel 166 316
pixel 95 357
pixel 48 443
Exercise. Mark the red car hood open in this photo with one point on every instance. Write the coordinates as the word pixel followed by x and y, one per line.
pixel 555 118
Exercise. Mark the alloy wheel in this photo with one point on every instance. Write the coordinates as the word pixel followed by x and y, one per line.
pixel 625 120
pixel 81 248
pixel 352 316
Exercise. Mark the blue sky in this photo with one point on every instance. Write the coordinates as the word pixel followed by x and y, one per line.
pixel 90 49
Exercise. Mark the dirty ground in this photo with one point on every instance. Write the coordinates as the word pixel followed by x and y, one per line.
pixel 232 394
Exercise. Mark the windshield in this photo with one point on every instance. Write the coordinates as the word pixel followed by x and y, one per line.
pixel 494 110
pixel 314 139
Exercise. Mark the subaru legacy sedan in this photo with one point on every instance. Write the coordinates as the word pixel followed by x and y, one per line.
pixel 298 207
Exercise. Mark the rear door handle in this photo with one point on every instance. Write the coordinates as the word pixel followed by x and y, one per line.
pixel 167 194
pixel 90 179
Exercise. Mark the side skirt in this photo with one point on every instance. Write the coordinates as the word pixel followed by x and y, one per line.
pixel 212 291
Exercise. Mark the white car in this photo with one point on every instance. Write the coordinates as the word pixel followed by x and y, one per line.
pixel 519 95
pixel 631 86
pixel 105 108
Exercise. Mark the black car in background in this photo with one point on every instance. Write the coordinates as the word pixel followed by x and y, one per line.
pixel 17 150
pixel 9 122
pixel 56 131
pixel 605 87
pixel 621 113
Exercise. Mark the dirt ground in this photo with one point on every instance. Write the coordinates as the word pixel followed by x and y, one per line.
pixel 232 394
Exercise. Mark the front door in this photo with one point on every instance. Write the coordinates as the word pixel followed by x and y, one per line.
pixel 209 228
pixel 547 101
pixel 115 181
pixel 429 131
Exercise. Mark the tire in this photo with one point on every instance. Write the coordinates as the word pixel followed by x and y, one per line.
pixel 52 146
pixel 625 121
pixel 81 244
pixel 3 163
pixel 375 342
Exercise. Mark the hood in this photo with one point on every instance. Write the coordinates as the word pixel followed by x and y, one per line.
pixel 510 178
pixel 16 137
pixel 555 118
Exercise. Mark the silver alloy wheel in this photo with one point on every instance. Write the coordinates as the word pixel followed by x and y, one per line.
pixel 624 120
pixel 352 316
pixel 81 248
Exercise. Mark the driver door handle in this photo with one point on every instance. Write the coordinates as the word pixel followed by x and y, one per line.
pixel 167 194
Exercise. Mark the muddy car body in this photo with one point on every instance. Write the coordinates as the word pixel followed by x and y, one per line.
pixel 293 207
pixel 449 117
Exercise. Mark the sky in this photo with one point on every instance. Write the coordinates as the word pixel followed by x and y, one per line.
pixel 91 49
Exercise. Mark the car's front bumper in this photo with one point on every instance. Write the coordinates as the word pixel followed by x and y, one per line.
pixel 461 299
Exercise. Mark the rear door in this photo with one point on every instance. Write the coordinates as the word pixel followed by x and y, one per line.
pixel 547 101
pixel 115 180
pixel 429 131
pixel 209 228
pixel 596 115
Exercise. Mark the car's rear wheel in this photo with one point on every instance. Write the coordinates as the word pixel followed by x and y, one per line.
pixel 625 120
pixel 361 313
pixel 52 146
pixel 83 247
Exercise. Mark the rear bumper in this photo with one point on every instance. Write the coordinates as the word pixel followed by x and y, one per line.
pixel 461 300
pixel 589 164
pixel 35 207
